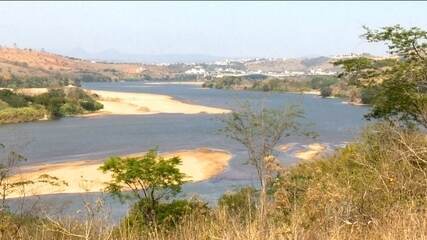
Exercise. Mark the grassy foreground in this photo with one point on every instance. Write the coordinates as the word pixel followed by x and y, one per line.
pixel 375 188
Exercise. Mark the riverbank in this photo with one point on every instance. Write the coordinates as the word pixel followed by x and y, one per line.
pixel 175 83
pixel 113 103
pixel 84 176
pixel 123 103
pixel 310 152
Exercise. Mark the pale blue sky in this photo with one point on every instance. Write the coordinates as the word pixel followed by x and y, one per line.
pixel 229 29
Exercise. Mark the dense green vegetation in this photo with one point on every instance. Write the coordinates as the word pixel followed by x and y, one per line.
pixel 24 114
pixel 400 84
pixel 55 103
pixel 264 83
pixel 56 80
pixel 37 82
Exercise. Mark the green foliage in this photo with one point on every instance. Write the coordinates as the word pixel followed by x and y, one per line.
pixel 13 99
pixel 226 82
pixel 149 176
pixel 326 91
pixel 90 105
pixel 70 109
pixel 319 82
pixel 368 94
pixel 56 103
pixel 259 130
pixel 61 103
pixel 19 115
pixel 241 202
pixel 52 100
pixel 167 214
pixel 92 77
pixel 267 84
pixel 409 43
pixel 400 92
pixel 36 82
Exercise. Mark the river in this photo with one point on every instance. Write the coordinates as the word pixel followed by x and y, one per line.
pixel 80 138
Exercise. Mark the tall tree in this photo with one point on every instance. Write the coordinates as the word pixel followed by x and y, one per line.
pixel 400 82
pixel 260 130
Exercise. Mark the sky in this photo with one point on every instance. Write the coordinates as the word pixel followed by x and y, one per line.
pixel 226 29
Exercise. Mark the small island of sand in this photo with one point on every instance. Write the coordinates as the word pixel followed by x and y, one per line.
pixel 122 103
pixel 312 152
pixel 84 176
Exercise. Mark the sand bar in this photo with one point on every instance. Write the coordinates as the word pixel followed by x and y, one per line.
pixel 285 147
pixel 313 151
pixel 122 103
pixel 84 176
pixel 175 83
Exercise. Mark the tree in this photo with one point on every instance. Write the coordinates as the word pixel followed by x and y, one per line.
pixel 7 163
pixel 150 178
pixel 260 130
pixel 9 160
pixel 400 82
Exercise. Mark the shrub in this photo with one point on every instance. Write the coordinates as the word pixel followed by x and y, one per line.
pixel 367 95
pixel 241 202
pixel 75 93
pixel 70 108
pixel 13 99
pixel 90 105
pixel 150 177
pixel 326 91
pixel 167 215
pixel 3 105
pixel 319 82
pixel 17 115
pixel 384 170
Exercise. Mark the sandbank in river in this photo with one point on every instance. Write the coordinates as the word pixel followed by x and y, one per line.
pixel 84 176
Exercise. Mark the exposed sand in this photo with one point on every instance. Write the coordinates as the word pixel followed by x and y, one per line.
pixel 175 83
pixel 354 103
pixel 285 147
pixel 313 150
pixel 121 103
pixel 84 176
pixel 312 92
pixel 32 91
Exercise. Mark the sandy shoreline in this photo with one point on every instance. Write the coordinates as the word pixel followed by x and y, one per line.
pixel 84 176
pixel 312 152
pixel 122 103
pixel 175 83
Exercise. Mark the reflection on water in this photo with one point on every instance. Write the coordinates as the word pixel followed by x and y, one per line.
pixel 100 137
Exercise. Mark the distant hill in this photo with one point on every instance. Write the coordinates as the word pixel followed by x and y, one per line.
pixel 116 56
pixel 291 64
pixel 21 65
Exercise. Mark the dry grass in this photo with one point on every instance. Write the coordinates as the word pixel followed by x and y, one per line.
pixel 375 188
pixel 400 224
